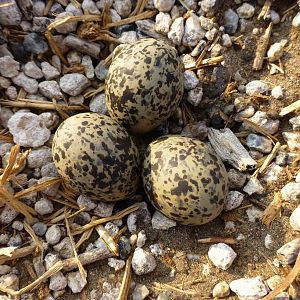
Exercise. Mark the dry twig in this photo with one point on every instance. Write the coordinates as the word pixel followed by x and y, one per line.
pixel 126 280
pixel 218 239
pixel 290 108
pixel 272 210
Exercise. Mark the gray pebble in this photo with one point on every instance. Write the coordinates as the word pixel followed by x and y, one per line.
pixel 295 122
pixel 291 192
pixel 86 202
pixel 39 228
pixel 292 139
pixel 176 31
pixel 236 179
pixel 10 15
pixel 139 220
pixel 234 200
pixel 15 241
pixel 10 281
pixel 75 282
pixel 32 70
pixel 53 234
pixel 231 21
pixel 259 143
pixel 98 104
pixel 57 281
pixel 288 253
pixel 44 207
pixel 35 44
pixel 253 186
pixel 64 248
pixel 123 7
pixel 51 259
pixel 124 247
pixel 4 269
pixel 195 96
pixel 9 67
pixel 50 89
pixel 73 84
pixel 39 157
pixel 103 209
pixel 101 71
pixel 49 71
pixel 161 222
pixel 7 215
pixel 17 225
pixel 256 87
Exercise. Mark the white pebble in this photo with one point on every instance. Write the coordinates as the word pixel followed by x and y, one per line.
pixel 291 192
pixel 190 80
pixel 195 96
pixel 49 71
pixel 50 89
pixel 116 264
pixel 140 292
pixel 193 32
pixel 269 243
pixel 32 70
pixel 254 214
pixel 141 239
pixel 256 87
pixel 176 31
pixel 277 92
pixel 296 20
pixel 276 51
pixel 246 11
pixel 221 290
pixel 142 262
pixel 162 22
pixel 30 85
pixel 123 7
pixel 226 40
pixel 73 84
pixel 221 255
pixel 161 222
pixel 164 5
pixel 76 282
pixel 295 219
pixel 234 200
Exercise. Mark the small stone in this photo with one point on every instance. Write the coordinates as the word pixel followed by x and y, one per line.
pixel 10 281
pixel 17 225
pixel 116 264
pixel 115 17
pixel 272 173
pixel 123 7
pixel 49 71
pixel 190 80
pixel 4 238
pixel 124 247
pixel 39 157
pixel 253 186
pixel 73 84
pixel 210 6
pixel 40 25
pixel 112 229
pixel 236 179
pixel 156 250
pixel 282 296
pixel 140 292
pixel 230 227
pixel 256 87
pixel 176 31
pixel 28 129
pixel 273 282
pixel 101 71
pixel 55 61
pixel 103 209
pixel 140 219
pixel 90 8
pixel 276 51
pixel 295 219
pixel 291 192
pixel 7 215
pixel 221 290
pixel 15 241
pixel 74 57
pixel 297 179
pixel 292 139
pixel 53 234
pixel 88 65
pixel 50 89
pixel 277 92
pixel 98 104
pixel 76 100
pixel 141 239
pixel 226 40
pixel 234 200
pixel 248 112
pixel 231 21
pixel 30 85
pixel 162 22
pixel 211 34
pixel 75 282
pixel 288 253
pixel 128 37
pixel 57 281
pixel 273 16
pixel 164 5
pixel 35 44
pixel 64 248
pixel 296 20
pixel 254 214
pixel 259 143
pixel 11 92
pixel 87 203
pixel 197 130
pixel 249 288
pixel 216 50
pixel 101 3
pixel 66 27
pixel 142 262
pixel 50 190
pixel 269 243
pixel 193 32
pixel 32 70
pixel 295 122
pixel 246 11
pixel 51 121
pixel 76 11
pixel 39 228
pixel 161 222
pixel 38 8
pixel 206 23
pixel 164 296
pixel 4 82
pixel 44 207
pixel 82 218
pixel 8 66
pixel 195 96
pixel 4 269
pixel 51 259
pixel 221 255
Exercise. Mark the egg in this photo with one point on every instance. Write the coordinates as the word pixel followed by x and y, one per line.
pixel 144 84
pixel 184 179
pixel 96 157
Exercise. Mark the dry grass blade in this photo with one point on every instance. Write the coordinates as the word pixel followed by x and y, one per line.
pixel 140 5
pixel 6 138
pixel 117 216
pixel 290 108
pixel 34 237
pixel 84 237
pixel 218 239
pixel 7 251
pixel 80 267
pixel 290 278
pixel 124 290
pixel 2 5
pixel 272 210
pixel 17 253
pixel 29 269
pixel 90 94
pixel 164 287
pixel 108 240
pixel 265 10
pixel 53 270
pixel 212 61
pixel 66 203
pixel 59 110
pixel 259 129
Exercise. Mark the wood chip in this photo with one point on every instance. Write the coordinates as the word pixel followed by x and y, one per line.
pixel 273 210
pixel 16 253
pixel 290 108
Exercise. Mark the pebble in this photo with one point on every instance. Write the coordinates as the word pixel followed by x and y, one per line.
pixel 98 104
pixel 269 242
pixel 4 269
pixel 256 87
pixel 112 229
pixel 206 23
pixel 234 200
pixel 101 70
pixel 81 45
pixel 296 20
pixel 124 247
pixel 50 190
pixel 11 92
pixel 7 215
pixel 273 16
pixel 10 15
pixel 210 6
pixel 53 234
pixel 73 57
pixel 276 51
pixel 273 282
pixel 193 32
pixel 156 250
pixel 30 85
pixel 277 92
pixel 32 70
pixel 4 82
pixel 164 5
pixel 57 281
pixel 142 262
pixel 128 37
pixel 66 27
pixel 103 209
pixel 88 67
pixel 190 80
pixel 248 112
pixel 123 7
pixel 161 222
pixel 295 122
pixel 231 21
pixel 28 129
pixel 139 220
pixel 216 50
pixel 75 282
pixel 141 239
pixel 140 292
pixel 295 219
pixel 101 3
pixel 9 67
pixel 43 206
pixel 249 288
pixel 226 40
pixel 291 192
pixel 116 264
pixel 272 173
pixel 164 296
pixel 49 71
pixel 288 253
pixel 176 31
pixel 39 157
pixel 76 100
pixel 39 228
pixel 51 120
pixel 10 281
pixel 76 11
pixel 115 17
pixel 197 130
pixel 40 25
pixel 195 96
pixel 50 89
pixel 236 179
pixel 259 143
pixel 229 227
pixel 282 296
pixel 292 139
pixel 35 44
pixel 90 7
pixel 163 22
pixel 82 218
pixel 221 255
pixel 15 241
pixel 38 8
pixel 211 34
pixel 254 214
pixel 51 259
pixel 64 248
pixel 246 11
pixel 297 179
pixel 73 84
pixel 17 225
pixel 221 290
pixel 4 238
pixel 85 202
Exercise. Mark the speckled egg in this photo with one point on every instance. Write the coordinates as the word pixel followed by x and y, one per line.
pixel 184 179
pixel 144 84
pixel 97 157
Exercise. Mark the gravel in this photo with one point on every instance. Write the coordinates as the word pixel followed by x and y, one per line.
pixel 221 255
pixel 53 234
pixel 161 222
pixel 73 84
pixel 142 262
